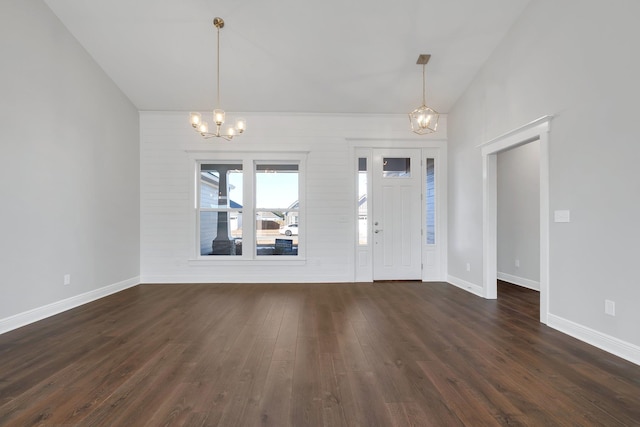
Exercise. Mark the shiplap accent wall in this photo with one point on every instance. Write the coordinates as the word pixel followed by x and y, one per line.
pixel 168 148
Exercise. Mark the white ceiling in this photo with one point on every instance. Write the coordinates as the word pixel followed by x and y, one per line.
pixel 329 56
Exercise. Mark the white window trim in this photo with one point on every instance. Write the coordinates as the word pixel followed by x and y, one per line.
pixel 249 160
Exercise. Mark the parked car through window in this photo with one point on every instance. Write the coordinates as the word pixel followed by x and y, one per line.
pixel 290 230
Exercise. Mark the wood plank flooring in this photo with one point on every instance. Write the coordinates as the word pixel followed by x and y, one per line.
pixel 383 354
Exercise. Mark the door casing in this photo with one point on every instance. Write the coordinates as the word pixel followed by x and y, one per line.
pixel 536 130
pixel 433 257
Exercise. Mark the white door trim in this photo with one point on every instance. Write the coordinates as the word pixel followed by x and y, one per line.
pixel 363 147
pixel 538 130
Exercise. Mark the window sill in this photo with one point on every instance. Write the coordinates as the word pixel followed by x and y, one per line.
pixel 236 261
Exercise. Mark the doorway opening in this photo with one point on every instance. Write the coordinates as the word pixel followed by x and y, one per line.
pixel 519 216
pixel 537 130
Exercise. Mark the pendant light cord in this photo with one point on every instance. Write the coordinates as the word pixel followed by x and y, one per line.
pixel 218 66
pixel 424 91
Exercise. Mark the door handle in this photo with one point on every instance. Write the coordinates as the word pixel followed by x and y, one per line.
pixel 377 231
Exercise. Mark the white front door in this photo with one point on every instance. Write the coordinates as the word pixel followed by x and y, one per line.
pixel 397 214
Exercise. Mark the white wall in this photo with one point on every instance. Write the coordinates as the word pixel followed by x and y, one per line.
pixel 169 146
pixel 575 62
pixel 519 215
pixel 69 170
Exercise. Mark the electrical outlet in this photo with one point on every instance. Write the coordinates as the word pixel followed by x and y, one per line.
pixel 468 267
pixel 517 263
pixel 67 279
pixel 609 307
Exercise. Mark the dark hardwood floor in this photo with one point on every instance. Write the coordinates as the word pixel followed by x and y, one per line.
pixel 383 354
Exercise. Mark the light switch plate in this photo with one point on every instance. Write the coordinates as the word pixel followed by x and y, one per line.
pixel 609 307
pixel 562 216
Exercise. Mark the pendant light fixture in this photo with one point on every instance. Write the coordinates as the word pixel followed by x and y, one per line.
pixel 202 127
pixel 424 119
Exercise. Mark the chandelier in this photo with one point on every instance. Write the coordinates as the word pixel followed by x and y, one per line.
pixel 201 126
pixel 423 119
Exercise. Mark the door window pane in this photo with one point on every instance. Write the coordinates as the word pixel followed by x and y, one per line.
pixel 396 167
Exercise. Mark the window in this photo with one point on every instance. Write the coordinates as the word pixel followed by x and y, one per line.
pixel 220 209
pixel 430 200
pixel 396 167
pixel 248 209
pixel 277 209
pixel 362 201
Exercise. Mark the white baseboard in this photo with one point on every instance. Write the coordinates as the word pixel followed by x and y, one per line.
pixel 182 279
pixel 467 286
pixel 21 319
pixel 604 342
pixel 520 281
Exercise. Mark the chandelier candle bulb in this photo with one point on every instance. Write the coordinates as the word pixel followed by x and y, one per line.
pixel 218 117
pixel 241 125
pixel 196 118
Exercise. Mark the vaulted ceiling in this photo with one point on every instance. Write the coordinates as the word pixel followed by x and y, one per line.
pixel 329 56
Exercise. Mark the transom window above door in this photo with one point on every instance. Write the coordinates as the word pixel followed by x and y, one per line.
pixel 396 167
